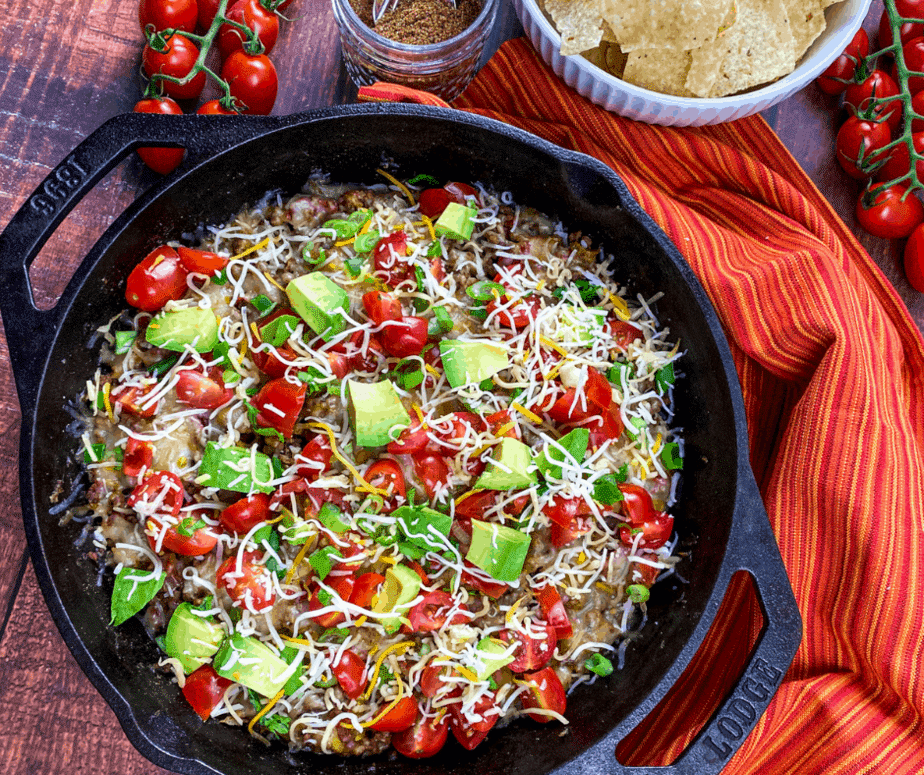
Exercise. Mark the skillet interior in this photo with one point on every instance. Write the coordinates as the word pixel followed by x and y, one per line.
pixel 350 147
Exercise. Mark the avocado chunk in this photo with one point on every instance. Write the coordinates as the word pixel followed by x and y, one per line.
pixel 489 653
pixel 320 302
pixel 235 468
pixel 466 361
pixel 498 550
pixel 252 664
pixel 574 443
pixel 401 586
pixel 456 222
pixel 419 525
pixel 192 639
pixel 510 467
pixel 376 412
pixel 177 329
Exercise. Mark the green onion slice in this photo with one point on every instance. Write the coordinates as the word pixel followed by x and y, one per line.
pixel 367 241
pixel 124 341
pixel 599 664
pixel 637 593
pixel 263 303
pixel 485 290
pixel 670 456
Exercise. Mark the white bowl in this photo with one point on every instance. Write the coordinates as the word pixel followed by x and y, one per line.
pixel 612 93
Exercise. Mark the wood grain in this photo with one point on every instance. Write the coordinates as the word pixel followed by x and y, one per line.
pixel 66 67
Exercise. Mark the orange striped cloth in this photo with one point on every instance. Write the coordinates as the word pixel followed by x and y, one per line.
pixel 832 371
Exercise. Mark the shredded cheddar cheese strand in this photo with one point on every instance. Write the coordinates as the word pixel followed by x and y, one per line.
pixel 404 189
pixel 107 389
pixel 269 277
pixel 388 708
pixel 394 648
pixel 252 249
pixel 619 306
pixel 298 560
pixel 346 463
pixel 553 345
pixel 429 224
pixel 526 412
pixel 265 709
pixel 465 672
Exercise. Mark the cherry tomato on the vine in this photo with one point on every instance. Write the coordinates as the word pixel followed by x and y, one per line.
pixel 875 91
pixel 898 163
pixel 214 108
pixel 914 259
pixel 840 72
pixel 908 31
pixel 162 160
pixel 177 59
pixel 206 13
pixel 252 80
pixel 169 14
pixel 893 214
pixel 257 18
pixel 914 60
pixel 858 142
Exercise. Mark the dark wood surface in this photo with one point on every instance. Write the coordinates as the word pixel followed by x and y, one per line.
pixel 65 67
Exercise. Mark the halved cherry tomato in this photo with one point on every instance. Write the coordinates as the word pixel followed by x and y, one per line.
pixel 350 672
pixel 623 333
pixel 431 679
pixel 314 459
pixel 202 391
pixel 201 261
pixel 382 306
pixel 637 506
pixel 412 439
pixel 342 584
pixel 432 471
pixel 656 530
pixel 424 738
pixel 405 338
pixel 471 728
pixel 473 580
pixel 245 514
pixel 252 588
pixel 545 692
pixel 138 456
pixel 400 717
pixel 553 610
pixel 204 690
pixel 386 258
pixel 432 612
pixel 162 160
pixel 279 404
pixel 161 492
pixel 158 278
pixel 535 649
pixel 366 588
pixel 177 58
pixel 200 542
pixel 386 474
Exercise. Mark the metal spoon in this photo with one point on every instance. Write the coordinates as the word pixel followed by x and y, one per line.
pixel 381 7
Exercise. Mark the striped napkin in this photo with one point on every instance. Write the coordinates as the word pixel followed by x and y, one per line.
pixel 832 371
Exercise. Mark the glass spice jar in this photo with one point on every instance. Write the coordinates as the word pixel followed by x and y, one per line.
pixel 443 68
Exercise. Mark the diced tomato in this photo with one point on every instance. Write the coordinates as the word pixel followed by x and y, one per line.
pixel 471 728
pixel 365 355
pixel 500 421
pixel 598 397
pixel 461 193
pixel 279 404
pixel 569 518
pixel 201 261
pixel 245 514
pixel 432 612
pixel 350 672
pixel 387 258
pixel 431 679
pixel 436 269
pixel 314 459
pixel 202 391
pixel 656 530
pixel 636 504
pixel 474 506
pixel 412 439
pixel 252 588
pixel 424 738
pixel 386 474
pixel 339 363
pixel 131 400
pixel 490 587
pixel 405 338
pixel 546 693
pixel 381 306
pixel 400 717
pixel 204 690
pixel 274 362
pixel 432 471
pixel 199 542
pixel 138 456
pixel 623 333
pixel 161 492
pixel 366 588
pixel 553 611
pixel 432 202
pixel 535 649
pixel 158 278
pixel 609 429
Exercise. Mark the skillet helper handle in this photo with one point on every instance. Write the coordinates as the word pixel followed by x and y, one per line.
pixel 29 330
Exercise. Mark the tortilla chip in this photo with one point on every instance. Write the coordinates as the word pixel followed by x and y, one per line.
pixel 578 21
pixel 656 24
pixel 706 60
pixel 662 70
pixel 807 21
pixel 758 47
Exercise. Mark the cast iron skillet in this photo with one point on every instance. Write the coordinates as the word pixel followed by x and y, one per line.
pixel 233 162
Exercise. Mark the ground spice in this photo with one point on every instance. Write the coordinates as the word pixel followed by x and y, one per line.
pixel 420 22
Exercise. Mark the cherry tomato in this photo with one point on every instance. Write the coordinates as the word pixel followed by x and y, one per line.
pixel 890 216
pixel 424 738
pixel 350 672
pixel 387 258
pixel 432 470
pixel 656 530
pixel 132 400
pixel 432 202
pixel 878 85
pixel 908 31
pixel 138 456
pixel 412 439
pixel 546 693
pixel 598 396
pixel 535 649
pixel 316 455
pixel 204 690
pixel 161 492
pixel 252 588
pixel 214 108
pixel 200 542
pixel 381 306
pixel 431 679
pixel 914 259
pixel 432 612
pixel 569 518
pixel 176 60
pixel 636 504
pixel 914 60
pixel 553 610
pixel 201 261
pixel 474 506
pixel 168 14
pixel 474 580
pixel 917 105
pixel 245 514
pixel 279 404
pixel 158 278
pixel 858 143
pixel 835 78
pixel 386 474
pixel 405 338
pixel 252 14
pixel 202 391
pixel 252 80
pixel 461 193
pixel 342 585
pixel 366 588
pixel 162 160
pixel 399 717
pixel 472 727
pixel 898 163
pixel 609 429
pixel 206 13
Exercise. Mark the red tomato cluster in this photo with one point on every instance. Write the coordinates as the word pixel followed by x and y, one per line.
pixel 875 142
pixel 180 34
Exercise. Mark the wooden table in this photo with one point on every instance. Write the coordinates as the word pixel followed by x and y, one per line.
pixel 67 67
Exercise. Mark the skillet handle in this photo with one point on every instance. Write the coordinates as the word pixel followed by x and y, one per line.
pixel 30 331
pixel 753 548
